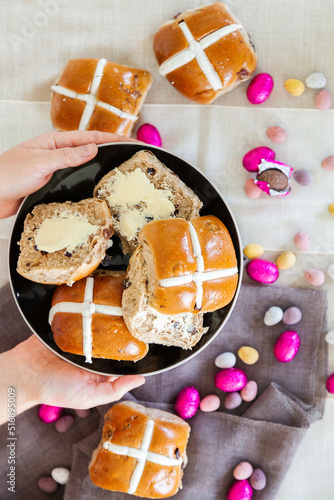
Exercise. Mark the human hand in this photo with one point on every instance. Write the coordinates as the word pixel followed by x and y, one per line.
pixel 40 376
pixel 27 167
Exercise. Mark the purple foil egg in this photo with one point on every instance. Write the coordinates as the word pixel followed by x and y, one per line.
pixel 240 490
pixel 287 346
pixel 253 158
pixel 149 134
pixel 231 379
pixel 49 414
pixel 262 271
pixel 330 384
pixel 260 88
pixel 187 402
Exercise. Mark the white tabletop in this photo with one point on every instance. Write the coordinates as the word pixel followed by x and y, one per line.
pixel 292 39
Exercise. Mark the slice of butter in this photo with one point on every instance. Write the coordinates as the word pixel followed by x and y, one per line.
pixel 63 232
pixel 139 201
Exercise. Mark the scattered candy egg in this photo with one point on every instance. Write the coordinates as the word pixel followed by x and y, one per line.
pixel 240 490
pixel 187 402
pixel 258 480
pixel 330 337
pixel 249 392
pixel 253 158
pixel 315 277
pixel 253 251
pixel 82 413
pixel 230 379
pixel 210 403
pixel 303 177
pixel 232 400
pixel 60 475
pixel 292 316
pixel 316 81
pixel 260 88
pixel 49 414
pixel 149 134
pixel 330 384
pixel 286 260
pixel 323 100
pixel 302 241
pixel 244 470
pixel 248 355
pixel 64 423
pixel 287 346
pixel 330 271
pixel 47 484
pixel 331 208
pixel 276 134
pixel 225 360
pixel 262 271
pixel 294 87
pixel 273 316
pixel 328 163
pixel 252 190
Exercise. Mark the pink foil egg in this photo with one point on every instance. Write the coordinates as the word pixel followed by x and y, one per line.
pixel 240 490
pixel 330 384
pixel 262 271
pixel 210 403
pixel 230 379
pixel 253 158
pixel 260 88
pixel 187 402
pixel 252 190
pixel 315 277
pixel 287 346
pixel 323 100
pixel 49 414
pixel 149 134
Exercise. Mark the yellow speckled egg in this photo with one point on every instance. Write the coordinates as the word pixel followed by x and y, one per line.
pixel 286 260
pixel 294 87
pixel 253 251
pixel 331 208
pixel 248 355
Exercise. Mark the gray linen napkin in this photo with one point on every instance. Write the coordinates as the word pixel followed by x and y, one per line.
pixel 267 434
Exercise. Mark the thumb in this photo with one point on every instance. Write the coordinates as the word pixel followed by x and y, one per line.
pixel 115 389
pixel 56 159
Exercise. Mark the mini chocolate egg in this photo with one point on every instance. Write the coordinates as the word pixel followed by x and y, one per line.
pixel 292 316
pixel 47 484
pixel 323 100
pixel 248 355
pixel 273 316
pixel 60 475
pixel 331 208
pixel 240 490
pixel 302 241
pixel 316 81
pixel 330 384
pixel 274 178
pixel 244 470
pixel 252 190
pixel 260 88
pixel 64 423
pixel 262 271
pixel 328 163
pixel 149 134
pixel 225 360
pixel 287 346
pixel 303 177
pixel 232 401
pixel 187 402
pixel 253 251
pixel 330 337
pixel 253 158
pixel 230 379
pixel 315 277
pixel 210 403
pixel 294 87
pixel 49 414
pixel 249 392
pixel 258 480
pixel 276 134
pixel 83 413
pixel 286 260
pixel 330 271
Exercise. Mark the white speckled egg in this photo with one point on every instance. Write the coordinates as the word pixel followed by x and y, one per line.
pixel 330 337
pixel 273 316
pixel 316 81
pixel 60 475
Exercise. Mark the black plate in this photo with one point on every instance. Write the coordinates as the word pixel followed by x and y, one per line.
pixel 75 184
